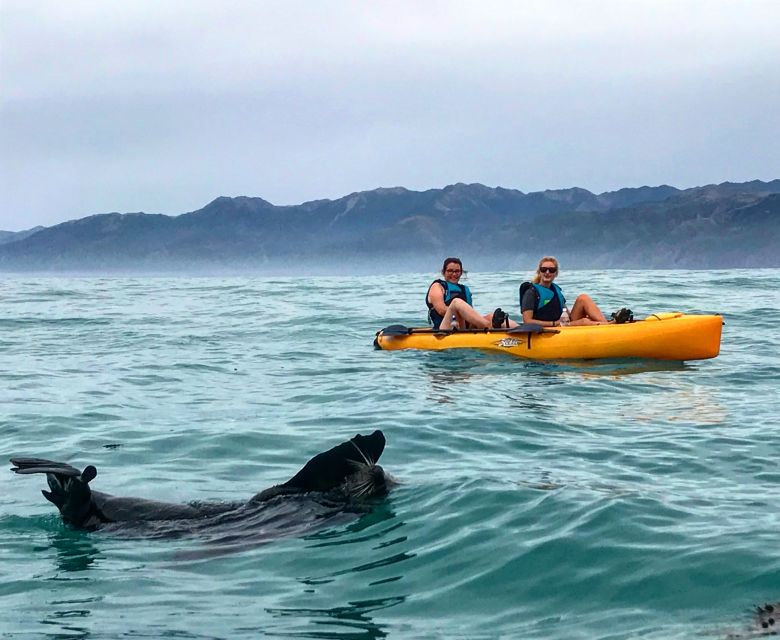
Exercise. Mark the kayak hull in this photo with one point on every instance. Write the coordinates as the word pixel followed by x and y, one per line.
pixel 663 336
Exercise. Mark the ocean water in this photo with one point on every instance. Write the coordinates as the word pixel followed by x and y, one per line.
pixel 536 500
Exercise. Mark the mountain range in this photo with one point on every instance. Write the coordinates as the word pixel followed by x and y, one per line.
pixel 715 226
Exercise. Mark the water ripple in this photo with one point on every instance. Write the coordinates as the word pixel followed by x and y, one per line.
pixel 598 500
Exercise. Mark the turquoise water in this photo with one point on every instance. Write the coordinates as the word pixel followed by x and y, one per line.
pixel 580 500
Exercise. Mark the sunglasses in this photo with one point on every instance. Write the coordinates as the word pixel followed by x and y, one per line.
pixel 453 271
pixel 548 269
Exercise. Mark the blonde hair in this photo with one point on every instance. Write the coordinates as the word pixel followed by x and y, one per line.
pixel 538 276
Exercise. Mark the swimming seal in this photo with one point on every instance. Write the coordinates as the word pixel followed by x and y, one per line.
pixel 336 480
pixel 767 619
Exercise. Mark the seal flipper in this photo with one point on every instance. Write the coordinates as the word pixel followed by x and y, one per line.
pixel 40 465
pixel 86 509
pixel 70 491
pixel 327 470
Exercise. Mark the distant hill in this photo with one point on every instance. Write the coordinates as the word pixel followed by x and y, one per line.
pixel 13 236
pixel 725 225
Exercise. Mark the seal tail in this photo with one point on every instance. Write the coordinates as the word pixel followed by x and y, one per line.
pixel 69 487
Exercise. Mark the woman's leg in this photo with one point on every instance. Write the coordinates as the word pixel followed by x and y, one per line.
pixel 585 309
pixel 464 314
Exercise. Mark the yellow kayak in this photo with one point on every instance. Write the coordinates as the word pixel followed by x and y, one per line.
pixel 661 336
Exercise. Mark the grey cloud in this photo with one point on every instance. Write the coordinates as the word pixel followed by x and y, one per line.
pixel 161 109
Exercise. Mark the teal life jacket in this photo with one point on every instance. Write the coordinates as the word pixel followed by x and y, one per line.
pixel 451 291
pixel 549 302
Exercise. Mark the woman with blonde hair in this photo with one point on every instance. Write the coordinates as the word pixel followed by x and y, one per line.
pixel 542 302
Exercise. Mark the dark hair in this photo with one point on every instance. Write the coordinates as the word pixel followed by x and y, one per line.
pixel 450 260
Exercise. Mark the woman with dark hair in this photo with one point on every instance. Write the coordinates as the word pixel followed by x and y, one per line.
pixel 542 302
pixel 449 303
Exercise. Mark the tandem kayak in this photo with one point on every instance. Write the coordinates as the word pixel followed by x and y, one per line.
pixel 660 336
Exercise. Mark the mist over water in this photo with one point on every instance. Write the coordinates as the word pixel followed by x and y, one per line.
pixel 574 500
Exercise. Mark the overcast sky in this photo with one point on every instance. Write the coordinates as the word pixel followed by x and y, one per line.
pixel 161 106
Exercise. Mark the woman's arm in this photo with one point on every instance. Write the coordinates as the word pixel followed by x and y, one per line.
pixel 436 298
